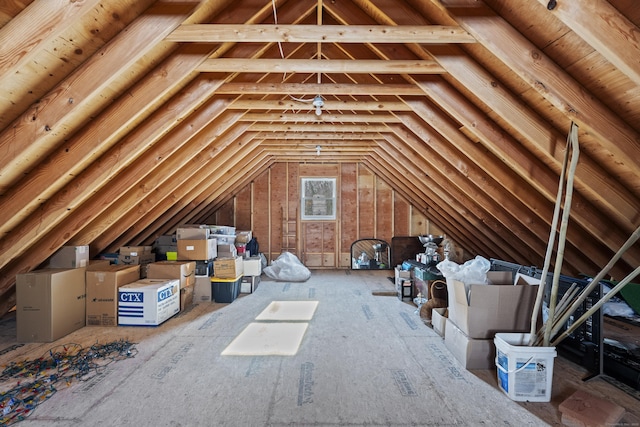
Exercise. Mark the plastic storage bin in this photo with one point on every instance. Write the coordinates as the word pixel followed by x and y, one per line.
pixel 525 373
pixel 225 290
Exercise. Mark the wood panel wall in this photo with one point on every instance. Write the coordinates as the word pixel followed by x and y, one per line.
pixel 367 207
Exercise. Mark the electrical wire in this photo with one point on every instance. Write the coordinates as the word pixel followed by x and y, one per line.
pixel 37 379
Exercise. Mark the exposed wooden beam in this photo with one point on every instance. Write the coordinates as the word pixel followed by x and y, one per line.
pixel 322 89
pixel 356 66
pixel 33 135
pixel 264 33
pixel 329 105
pixel 552 82
pixel 326 118
pixel 20 41
pixel 606 30
pixel 321 127
pixel 320 136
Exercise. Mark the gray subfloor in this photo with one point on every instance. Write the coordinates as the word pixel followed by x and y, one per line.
pixel 365 360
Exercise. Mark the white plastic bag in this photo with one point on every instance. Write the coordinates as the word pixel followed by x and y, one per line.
pixel 472 271
pixel 287 268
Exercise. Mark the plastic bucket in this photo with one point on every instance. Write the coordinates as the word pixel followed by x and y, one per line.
pixel 525 373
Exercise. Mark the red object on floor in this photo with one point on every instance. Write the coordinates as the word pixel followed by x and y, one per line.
pixel 585 410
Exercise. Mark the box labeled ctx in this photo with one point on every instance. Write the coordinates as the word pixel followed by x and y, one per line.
pixel 148 302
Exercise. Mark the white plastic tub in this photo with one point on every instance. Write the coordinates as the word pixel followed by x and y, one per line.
pixel 525 373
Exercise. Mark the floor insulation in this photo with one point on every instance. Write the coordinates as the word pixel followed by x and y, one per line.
pixel 331 351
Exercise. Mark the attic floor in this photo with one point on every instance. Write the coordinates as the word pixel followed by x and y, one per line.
pixel 363 360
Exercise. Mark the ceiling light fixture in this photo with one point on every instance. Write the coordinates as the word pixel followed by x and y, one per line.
pixel 318 102
pixel 318 148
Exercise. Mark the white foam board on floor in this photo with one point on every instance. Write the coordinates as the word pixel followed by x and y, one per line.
pixel 289 310
pixel 267 339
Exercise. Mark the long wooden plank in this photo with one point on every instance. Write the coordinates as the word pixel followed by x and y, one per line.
pixel 323 118
pixel 103 172
pixel 356 66
pixel 36 132
pixel 63 165
pixel 20 43
pixel 606 29
pixel 263 33
pixel 303 128
pixel 322 89
pixel 329 105
pixel 554 84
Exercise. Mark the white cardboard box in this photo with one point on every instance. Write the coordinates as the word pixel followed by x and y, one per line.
pixel 249 284
pixel 148 302
pixel 439 321
pixel 252 266
pixel 471 353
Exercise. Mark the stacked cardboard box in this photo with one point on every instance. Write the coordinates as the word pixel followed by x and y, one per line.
pixel 183 271
pixel 165 244
pixel 70 257
pixel 478 310
pixel 136 255
pixel 102 284
pixel 148 302
pixel 198 243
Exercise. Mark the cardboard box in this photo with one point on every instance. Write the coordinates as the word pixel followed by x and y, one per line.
pixel 50 303
pixel 148 302
pixel 102 292
pixel 142 260
pixel 70 257
pixel 184 271
pixel 197 250
pixel 249 284
pixel 227 251
pixel 166 240
pixel 186 297
pixel 401 274
pixel 252 266
pixel 471 353
pixel 202 289
pixel 228 268
pixel 439 320
pixel 134 250
pixel 481 310
pixel 225 290
pixel 193 233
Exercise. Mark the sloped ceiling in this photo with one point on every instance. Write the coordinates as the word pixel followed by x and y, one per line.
pixel 121 119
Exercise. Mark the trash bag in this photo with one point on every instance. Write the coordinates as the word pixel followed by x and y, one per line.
pixel 287 268
pixel 472 271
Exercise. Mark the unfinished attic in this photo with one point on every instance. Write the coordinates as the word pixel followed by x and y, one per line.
pixel 124 121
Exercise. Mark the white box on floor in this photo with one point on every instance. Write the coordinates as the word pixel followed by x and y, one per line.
pixel 148 302
pixel 471 353
pixel 439 320
pixel 249 284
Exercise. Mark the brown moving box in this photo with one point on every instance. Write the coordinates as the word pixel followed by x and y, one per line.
pixel 228 268
pixel 185 271
pixel 481 310
pixel 102 292
pixel 50 303
pixel 197 249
